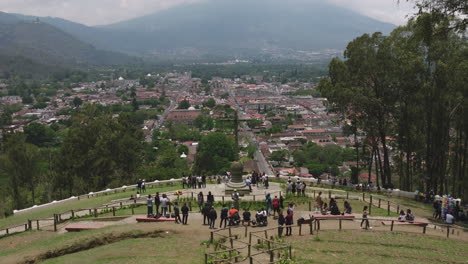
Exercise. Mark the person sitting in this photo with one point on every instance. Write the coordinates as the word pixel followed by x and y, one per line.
pixel 132 197
pixel 138 195
pixel 334 210
pixel 449 219
pixel 324 209
pixel 409 216
pixel 261 217
pixel 348 208
pixel 232 215
pixel 402 217
pixel 246 215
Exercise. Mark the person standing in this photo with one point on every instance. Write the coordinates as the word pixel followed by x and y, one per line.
pixel 206 212
pixel 157 202
pixel 364 218
pixel 210 198
pixel 139 185
pixel 177 213
pixel 213 215
pixel 235 198
pixel 164 204
pixel 281 222
pixel 289 222
pixel 184 182
pixel 149 200
pixel 318 202
pixel 281 200
pixel 224 216
pixel 268 203
pixel 204 181
pixel 303 188
pixel 299 187
pixel 185 211
pixel 276 206
pixel 200 182
pixel 143 187
pixel 200 200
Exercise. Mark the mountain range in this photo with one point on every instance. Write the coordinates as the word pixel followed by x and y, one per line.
pixel 229 28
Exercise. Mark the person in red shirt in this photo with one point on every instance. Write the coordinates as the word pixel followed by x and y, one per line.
pixel 289 222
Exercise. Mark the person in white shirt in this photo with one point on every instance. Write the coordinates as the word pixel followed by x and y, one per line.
pixel 449 218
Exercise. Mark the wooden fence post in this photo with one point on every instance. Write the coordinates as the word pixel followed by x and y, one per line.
pixel 37 224
pixel 380 200
pixel 388 208
pixel 329 194
pixel 222 198
pixel 55 222
pixel 133 210
pixel 370 205
pixel 95 212
pixel 266 234
pixel 340 224
pixel 448 231
pixel 347 195
pixel 245 231
pixel 391 228
pixel 363 196
pixel 113 211
pixel 300 230
pixel 26 227
pixel 211 237
pixel 29 224
pixel 72 214
pixel 310 206
pixel 311 231
pixel 398 209
pixel 424 229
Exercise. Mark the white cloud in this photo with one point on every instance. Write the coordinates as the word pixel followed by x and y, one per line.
pixel 392 11
pixel 98 12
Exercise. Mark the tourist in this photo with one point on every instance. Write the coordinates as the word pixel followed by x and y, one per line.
pixel 449 219
pixel 324 209
pixel 347 207
pixel 203 178
pixel 164 204
pixel 268 203
pixel 303 188
pixel 299 187
pixel 438 214
pixel 177 213
pixel 247 216
pixel 139 185
pixel 184 182
pixel 318 202
pixel 235 198
pixel 334 210
pixel 205 212
pixel 248 182
pixel 200 200
pixel 266 181
pixel 132 197
pixel 200 182
pixel 289 187
pixel 276 205
pixel 402 217
pixel 194 182
pixel 149 200
pixel 291 207
pixel 212 216
pixel 224 216
pixel 232 215
pixel 409 216
pixel 364 218
pixel 185 211
pixel 289 221
pixel 210 198
pixel 138 195
pixel 456 210
pixel 281 199
pixel 157 203
pixel 143 187
pixel 293 190
pixel 281 222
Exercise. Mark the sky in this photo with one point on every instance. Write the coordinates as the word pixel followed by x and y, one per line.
pixel 101 12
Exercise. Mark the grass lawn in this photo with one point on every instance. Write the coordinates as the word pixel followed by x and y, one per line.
pixel 49 211
pixel 378 247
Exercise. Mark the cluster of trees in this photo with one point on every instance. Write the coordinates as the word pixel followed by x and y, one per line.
pixel 95 151
pixel 321 160
pixel 215 153
pixel 407 93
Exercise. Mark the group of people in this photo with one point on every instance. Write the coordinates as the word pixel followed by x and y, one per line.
pixel 162 202
pixel 452 214
pixel 286 221
pixel 141 185
pixel 257 179
pixel 331 208
pixel 194 182
pixel 408 217
pixel 297 187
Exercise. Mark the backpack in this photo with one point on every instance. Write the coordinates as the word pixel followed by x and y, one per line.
pixel 275 203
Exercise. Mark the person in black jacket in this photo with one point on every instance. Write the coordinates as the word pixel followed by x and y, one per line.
pixel 212 215
pixel 281 222
pixel 185 211
pixel 210 198
pixel 224 216
pixel 206 211
pixel 157 202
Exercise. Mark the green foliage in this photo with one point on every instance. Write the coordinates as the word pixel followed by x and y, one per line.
pixel 214 154
pixel 39 135
pixel 279 155
pixel 210 103
pixel 184 104
pixel 77 102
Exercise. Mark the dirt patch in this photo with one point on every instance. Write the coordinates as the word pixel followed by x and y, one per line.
pixel 93 243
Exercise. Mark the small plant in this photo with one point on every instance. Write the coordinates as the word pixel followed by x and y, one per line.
pixel 317 239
